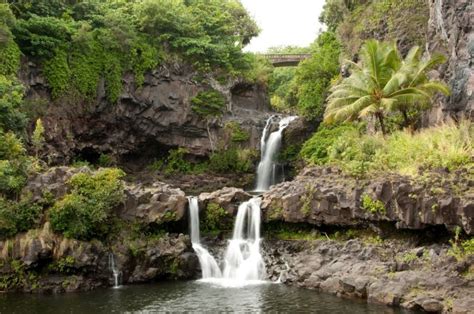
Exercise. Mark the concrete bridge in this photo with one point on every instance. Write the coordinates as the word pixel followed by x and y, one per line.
pixel 286 60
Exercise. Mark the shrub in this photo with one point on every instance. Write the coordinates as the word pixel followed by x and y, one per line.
pixel 316 150
pixel 208 103
pixel 14 164
pixel 176 162
pixel 373 206
pixel 18 216
pixel 216 218
pixel 84 213
pixel 237 134
pixel 11 98
pixel 232 160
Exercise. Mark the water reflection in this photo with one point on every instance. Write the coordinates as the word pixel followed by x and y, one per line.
pixel 189 297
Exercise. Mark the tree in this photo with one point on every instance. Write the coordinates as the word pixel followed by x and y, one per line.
pixel 383 83
pixel 38 136
pixel 313 76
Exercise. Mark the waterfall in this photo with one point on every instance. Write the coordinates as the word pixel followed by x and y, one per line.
pixel 243 260
pixel 267 168
pixel 114 269
pixel 209 266
pixel 243 263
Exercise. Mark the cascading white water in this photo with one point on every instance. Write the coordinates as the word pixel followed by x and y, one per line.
pixel 243 260
pixel 114 269
pixel 209 266
pixel 243 263
pixel 266 171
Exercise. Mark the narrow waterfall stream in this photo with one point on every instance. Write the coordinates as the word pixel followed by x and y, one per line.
pixel 266 171
pixel 115 271
pixel 209 266
pixel 243 263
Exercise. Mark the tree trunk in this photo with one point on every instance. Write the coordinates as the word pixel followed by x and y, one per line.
pixel 382 125
pixel 405 118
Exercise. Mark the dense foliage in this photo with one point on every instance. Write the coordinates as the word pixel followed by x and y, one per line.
pixel 208 103
pixel 18 216
pixel 448 146
pixel 85 212
pixel 383 83
pixel 305 88
pixel 14 165
pixel 80 43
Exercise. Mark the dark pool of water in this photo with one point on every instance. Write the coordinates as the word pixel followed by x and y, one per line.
pixel 188 297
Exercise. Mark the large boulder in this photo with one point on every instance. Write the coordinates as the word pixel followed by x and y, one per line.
pixel 228 198
pixel 157 203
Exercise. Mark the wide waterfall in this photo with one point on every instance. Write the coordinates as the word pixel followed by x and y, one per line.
pixel 209 266
pixel 266 171
pixel 243 263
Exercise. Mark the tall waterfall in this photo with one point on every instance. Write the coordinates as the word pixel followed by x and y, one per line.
pixel 209 266
pixel 266 171
pixel 243 263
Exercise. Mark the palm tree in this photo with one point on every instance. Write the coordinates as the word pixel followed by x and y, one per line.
pixel 383 83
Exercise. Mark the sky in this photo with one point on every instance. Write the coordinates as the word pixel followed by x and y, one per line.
pixel 284 22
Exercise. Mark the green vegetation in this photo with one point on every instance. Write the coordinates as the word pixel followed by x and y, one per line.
pixel 232 160
pixel 373 206
pixel 11 97
pixel 216 218
pixel 384 83
pixel 14 165
pixel 305 88
pixel 317 149
pixel 225 160
pixel 446 146
pixel 37 138
pixel 64 265
pixel 17 277
pixel 461 248
pixel 208 103
pixel 85 212
pixel 237 134
pixel 18 216
pixel 78 44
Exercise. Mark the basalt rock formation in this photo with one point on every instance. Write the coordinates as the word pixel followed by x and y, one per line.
pixel 451 32
pixel 402 273
pixel 147 120
pixel 43 261
pixel 325 196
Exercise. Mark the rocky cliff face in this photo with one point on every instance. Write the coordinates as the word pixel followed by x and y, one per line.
pixel 147 120
pixel 451 32
pixel 324 196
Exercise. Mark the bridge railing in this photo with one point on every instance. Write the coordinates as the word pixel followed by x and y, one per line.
pixel 287 55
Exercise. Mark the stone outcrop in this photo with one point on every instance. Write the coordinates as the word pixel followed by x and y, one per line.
pixel 451 32
pixel 41 261
pixel 60 264
pixel 325 196
pixel 390 272
pixel 227 198
pixel 147 120
pixel 157 203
